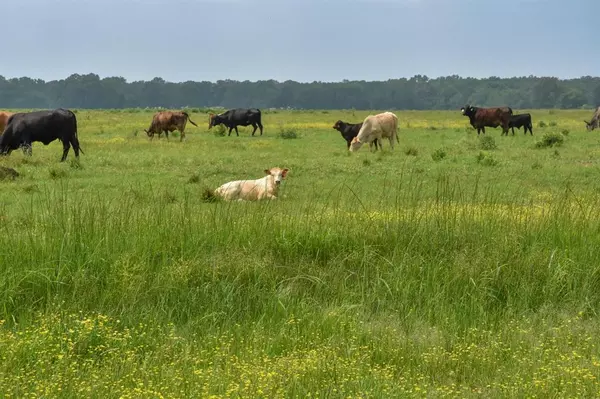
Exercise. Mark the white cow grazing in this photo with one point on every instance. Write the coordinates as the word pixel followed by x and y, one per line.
pixel 252 190
pixel 377 127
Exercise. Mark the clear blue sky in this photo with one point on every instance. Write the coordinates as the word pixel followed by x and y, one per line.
pixel 303 40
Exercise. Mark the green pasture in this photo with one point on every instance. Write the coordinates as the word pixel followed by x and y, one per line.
pixel 455 265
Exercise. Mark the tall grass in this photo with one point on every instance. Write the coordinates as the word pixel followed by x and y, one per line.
pixel 373 275
pixel 367 287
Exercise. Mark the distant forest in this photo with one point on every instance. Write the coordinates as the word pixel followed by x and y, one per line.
pixel 417 93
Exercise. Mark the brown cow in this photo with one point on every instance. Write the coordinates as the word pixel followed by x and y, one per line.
pixel 491 117
pixel 4 120
pixel 595 122
pixel 168 121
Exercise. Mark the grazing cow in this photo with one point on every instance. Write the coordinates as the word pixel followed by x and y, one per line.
pixel 520 120
pixel 45 126
pixel 4 120
pixel 237 117
pixel 266 187
pixel 168 121
pixel 376 127
pixel 595 122
pixel 349 131
pixel 491 117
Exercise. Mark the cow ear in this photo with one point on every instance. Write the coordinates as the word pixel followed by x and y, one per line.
pixel 284 172
pixel 268 171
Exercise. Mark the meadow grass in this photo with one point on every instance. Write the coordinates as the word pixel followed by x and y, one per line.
pixel 389 274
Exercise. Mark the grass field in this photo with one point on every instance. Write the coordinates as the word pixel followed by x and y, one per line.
pixel 453 266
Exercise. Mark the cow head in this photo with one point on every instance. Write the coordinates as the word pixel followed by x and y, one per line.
pixel 213 120
pixel 468 110
pixel 338 125
pixel 589 126
pixel 278 174
pixel 355 144
pixel 149 133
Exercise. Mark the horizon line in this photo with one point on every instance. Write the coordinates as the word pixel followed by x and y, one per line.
pixel 343 80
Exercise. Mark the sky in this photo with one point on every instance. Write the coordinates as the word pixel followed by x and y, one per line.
pixel 301 40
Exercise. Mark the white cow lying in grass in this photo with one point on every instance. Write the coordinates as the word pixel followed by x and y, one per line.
pixel 384 125
pixel 251 190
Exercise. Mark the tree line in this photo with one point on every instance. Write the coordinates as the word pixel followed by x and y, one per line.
pixel 416 93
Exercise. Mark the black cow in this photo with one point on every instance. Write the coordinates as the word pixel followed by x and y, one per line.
pixel 350 131
pixel 520 120
pixel 237 117
pixel 24 128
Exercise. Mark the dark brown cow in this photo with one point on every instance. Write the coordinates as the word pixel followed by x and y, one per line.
pixel 168 121
pixel 595 122
pixel 4 120
pixel 491 117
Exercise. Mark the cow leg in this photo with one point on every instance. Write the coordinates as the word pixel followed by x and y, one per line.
pixel 75 144
pixel 181 136
pixel 260 127
pixel 255 127
pixel 66 147
pixel 513 129
pixel 230 130
pixel 237 133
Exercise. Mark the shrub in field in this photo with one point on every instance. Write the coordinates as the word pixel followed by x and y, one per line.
pixel 487 143
pixel 287 133
pixel 438 154
pixel 219 131
pixel 552 124
pixel 486 159
pixel 565 132
pixel 542 124
pixel 550 140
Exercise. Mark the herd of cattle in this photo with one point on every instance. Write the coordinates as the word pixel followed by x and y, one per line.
pixel 20 130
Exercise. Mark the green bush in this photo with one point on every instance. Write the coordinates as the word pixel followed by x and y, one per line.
pixel 288 133
pixel 487 143
pixel 550 140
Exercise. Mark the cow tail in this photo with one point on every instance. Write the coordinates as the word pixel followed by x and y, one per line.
pixel 75 131
pixel 188 118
